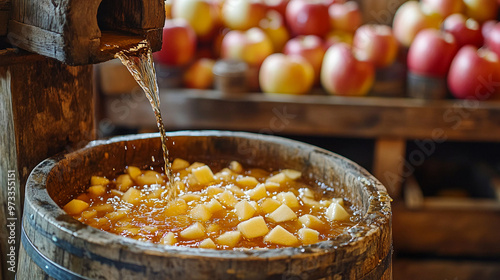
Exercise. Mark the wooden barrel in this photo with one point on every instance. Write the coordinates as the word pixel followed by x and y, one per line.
pixel 55 244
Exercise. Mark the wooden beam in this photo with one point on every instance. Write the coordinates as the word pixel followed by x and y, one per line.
pixel 388 164
pixel 47 107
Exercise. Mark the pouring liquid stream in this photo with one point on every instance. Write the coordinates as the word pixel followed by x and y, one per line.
pixel 139 62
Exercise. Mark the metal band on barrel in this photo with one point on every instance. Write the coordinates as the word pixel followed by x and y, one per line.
pixel 53 269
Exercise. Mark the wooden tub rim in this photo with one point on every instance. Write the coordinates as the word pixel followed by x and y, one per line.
pixel 37 196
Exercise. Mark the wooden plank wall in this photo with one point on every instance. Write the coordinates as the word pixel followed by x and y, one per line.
pixel 47 107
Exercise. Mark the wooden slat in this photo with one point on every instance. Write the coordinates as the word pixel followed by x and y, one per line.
pixel 388 164
pixel 5 6
pixel 368 117
pixel 45 107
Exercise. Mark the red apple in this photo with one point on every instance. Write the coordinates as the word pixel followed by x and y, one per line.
pixel 474 74
pixel 493 39
pixel 346 16
pixel 466 30
pixel 343 74
pixel 375 43
pixel 338 36
pixel 199 75
pixel 200 14
pixel 243 14
pixel 487 27
pixel 431 53
pixel 251 46
pixel 308 17
pixel 309 47
pixel 179 43
pixel 443 7
pixel 280 73
pixel 277 5
pixel 274 26
pixel 481 10
pixel 410 19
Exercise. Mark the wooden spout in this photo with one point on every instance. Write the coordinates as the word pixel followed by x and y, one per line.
pixel 84 32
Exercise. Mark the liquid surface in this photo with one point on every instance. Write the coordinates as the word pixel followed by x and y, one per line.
pixel 139 62
pixel 232 208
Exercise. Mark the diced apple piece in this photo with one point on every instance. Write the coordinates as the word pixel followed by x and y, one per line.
pixel 235 166
pixel 254 205
pixel 288 198
pixel 311 202
pixel 116 215
pixel 272 186
pixel 97 190
pixel 75 206
pixel 149 177
pixel 103 208
pixel 207 244
pixel 244 210
pixel 179 164
pixel 306 192
pixel 84 197
pixel 213 228
pixel 116 193
pixel 132 196
pixel 311 221
pixel 168 239
pixel 254 227
pixel 190 197
pixel 269 205
pixel 308 236
pixel 247 182
pixel 258 192
pixel 124 182
pixel 203 175
pixel 335 212
pixel 176 207
pixel 213 191
pixel 155 194
pixel 98 180
pixel 236 191
pixel 230 238
pixel 200 213
pixel 282 214
pixel 195 165
pixel 148 229
pixel 279 178
pixel 88 214
pixel 280 236
pixel 194 231
pixel 227 199
pixel 134 172
pixel 214 206
pixel 292 174
pixel 180 186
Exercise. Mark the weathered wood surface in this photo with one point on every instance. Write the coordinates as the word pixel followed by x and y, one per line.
pixel 4 16
pixel 100 255
pixel 388 162
pixel 447 231
pixel 321 115
pixel 68 30
pixel 46 107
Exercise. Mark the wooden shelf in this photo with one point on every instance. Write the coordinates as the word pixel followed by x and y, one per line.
pixel 321 115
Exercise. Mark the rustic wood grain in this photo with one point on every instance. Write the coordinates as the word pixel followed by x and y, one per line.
pixel 68 30
pixel 320 115
pixel 108 256
pixel 5 6
pixel 447 231
pixel 47 108
pixel 388 162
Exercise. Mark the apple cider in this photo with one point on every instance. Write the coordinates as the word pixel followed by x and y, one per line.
pixel 235 207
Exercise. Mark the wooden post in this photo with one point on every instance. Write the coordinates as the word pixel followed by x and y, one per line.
pixel 388 164
pixel 45 107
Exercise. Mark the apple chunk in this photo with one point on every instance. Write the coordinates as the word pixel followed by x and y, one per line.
pixel 203 175
pixel 75 206
pixel 200 213
pixel 254 227
pixel 244 210
pixel 308 236
pixel 311 221
pixel 194 231
pixel 335 212
pixel 282 214
pixel 230 238
pixel 281 236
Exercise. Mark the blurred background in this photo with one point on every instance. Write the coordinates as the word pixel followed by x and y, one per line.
pixel 406 89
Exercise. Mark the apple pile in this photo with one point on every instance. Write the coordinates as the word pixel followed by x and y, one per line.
pixel 456 41
pixel 290 45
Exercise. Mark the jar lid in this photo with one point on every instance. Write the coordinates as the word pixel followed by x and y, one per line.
pixel 230 67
